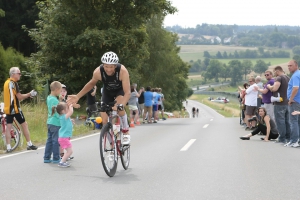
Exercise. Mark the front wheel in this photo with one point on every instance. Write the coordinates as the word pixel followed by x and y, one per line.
pixel 15 137
pixel 108 151
pixel 125 153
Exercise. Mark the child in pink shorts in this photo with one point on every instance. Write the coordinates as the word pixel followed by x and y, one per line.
pixel 65 131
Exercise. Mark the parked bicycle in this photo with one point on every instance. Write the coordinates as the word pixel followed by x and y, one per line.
pixel 111 141
pixel 15 133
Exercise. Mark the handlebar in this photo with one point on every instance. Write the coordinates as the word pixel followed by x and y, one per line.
pixel 108 107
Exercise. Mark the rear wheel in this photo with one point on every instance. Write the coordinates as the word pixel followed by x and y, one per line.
pixel 125 153
pixel 108 151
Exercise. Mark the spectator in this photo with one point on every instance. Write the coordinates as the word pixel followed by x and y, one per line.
pixel 12 108
pixel 260 86
pixel 161 104
pixel 243 97
pixel 266 125
pixel 266 94
pixel 141 101
pixel 148 95
pixel 134 117
pixel 91 101
pixel 293 95
pixel 281 111
pixel 251 104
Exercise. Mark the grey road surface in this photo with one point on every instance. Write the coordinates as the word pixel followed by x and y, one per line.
pixel 188 158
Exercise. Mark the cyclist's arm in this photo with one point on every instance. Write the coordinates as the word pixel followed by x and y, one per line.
pixel 124 77
pixel 96 77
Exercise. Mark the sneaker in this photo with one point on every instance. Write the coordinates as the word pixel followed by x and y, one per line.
pixel 138 123
pixel 126 139
pixel 164 118
pixel 32 147
pixel 55 161
pixel 280 142
pixel 48 161
pixel 9 150
pixel 65 164
pixel 295 145
pixel 288 144
pixel 155 121
pixel 144 122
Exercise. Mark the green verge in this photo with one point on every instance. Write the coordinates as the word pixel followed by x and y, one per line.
pixel 230 109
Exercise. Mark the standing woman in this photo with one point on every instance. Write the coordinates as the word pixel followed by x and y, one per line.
pixel 243 98
pixel 133 107
pixel 266 125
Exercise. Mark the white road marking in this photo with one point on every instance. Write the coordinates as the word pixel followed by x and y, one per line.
pixel 206 125
pixel 43 147
pixel 188 145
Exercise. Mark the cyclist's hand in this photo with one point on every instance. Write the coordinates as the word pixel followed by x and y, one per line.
pixel 76 105
pixel 72 99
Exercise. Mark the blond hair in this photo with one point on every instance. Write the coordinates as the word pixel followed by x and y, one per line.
pixel 55 85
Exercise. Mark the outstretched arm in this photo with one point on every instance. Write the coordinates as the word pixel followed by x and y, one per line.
pixel 96 77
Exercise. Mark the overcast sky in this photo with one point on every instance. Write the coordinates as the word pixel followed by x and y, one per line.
pixel 240 12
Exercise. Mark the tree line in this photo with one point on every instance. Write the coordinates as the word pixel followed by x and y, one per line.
pixel 261 53
pixel 70 36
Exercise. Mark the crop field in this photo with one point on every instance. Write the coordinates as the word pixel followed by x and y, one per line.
pixel 195 52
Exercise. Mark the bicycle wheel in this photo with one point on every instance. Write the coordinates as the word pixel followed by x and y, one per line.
pixel 125 153
pixel 15 137
pixel 108 151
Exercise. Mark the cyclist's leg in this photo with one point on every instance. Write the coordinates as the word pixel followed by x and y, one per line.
pixel 9 121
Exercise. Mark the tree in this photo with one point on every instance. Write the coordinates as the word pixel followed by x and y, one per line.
pixel 236 54
pixel 214 70
pixel 206 54
pixel 297 58
pixel 225 56
pixel 74 34
pixel 296 50
pixel 225 71
pixel 236 73
pixel 246 67
pixel 260 66
pixel 219 55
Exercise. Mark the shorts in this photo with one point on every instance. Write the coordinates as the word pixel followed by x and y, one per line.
pixel 155 107
pixel 64 143
pixel 250 110
pixel 19 117
pixel 160 107
pixel 109 96
pixel 132 107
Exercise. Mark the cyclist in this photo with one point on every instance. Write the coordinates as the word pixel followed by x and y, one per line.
pixel 194 111
pixel 197 111
pixel 115 79
pixel 12 109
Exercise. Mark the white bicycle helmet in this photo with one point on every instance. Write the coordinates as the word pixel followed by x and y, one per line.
pixel 110 58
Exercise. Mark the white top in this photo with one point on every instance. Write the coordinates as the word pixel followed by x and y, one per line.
pixel 251 96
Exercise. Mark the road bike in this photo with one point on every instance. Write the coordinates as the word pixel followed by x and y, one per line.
pixel 111 141
pixel 15 133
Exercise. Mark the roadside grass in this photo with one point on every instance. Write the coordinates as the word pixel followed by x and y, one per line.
pixel 230 109
pixel 36 117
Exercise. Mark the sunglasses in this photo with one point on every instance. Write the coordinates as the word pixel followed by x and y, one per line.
pixel 18 73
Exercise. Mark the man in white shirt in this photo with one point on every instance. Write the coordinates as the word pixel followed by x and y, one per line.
pixel 251 103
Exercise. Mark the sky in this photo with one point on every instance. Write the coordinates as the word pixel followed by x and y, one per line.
pixel 239 12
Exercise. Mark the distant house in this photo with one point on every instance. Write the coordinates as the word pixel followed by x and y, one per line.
pixel 215 38
pixel 227 40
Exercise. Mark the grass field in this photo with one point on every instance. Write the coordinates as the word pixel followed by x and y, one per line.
pixel 195 52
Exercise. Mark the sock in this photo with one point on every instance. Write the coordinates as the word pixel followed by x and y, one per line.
pixel 29 143
pixel 8 146
pixel 124 122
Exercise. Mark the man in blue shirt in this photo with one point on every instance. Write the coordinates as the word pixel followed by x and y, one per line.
pixel 148 97
pixel 293 95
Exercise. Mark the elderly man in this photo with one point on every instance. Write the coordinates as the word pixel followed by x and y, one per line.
pixel 293 95
pixel 12 108
pixel 266 94
pixel 251 103
pixel 281 107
